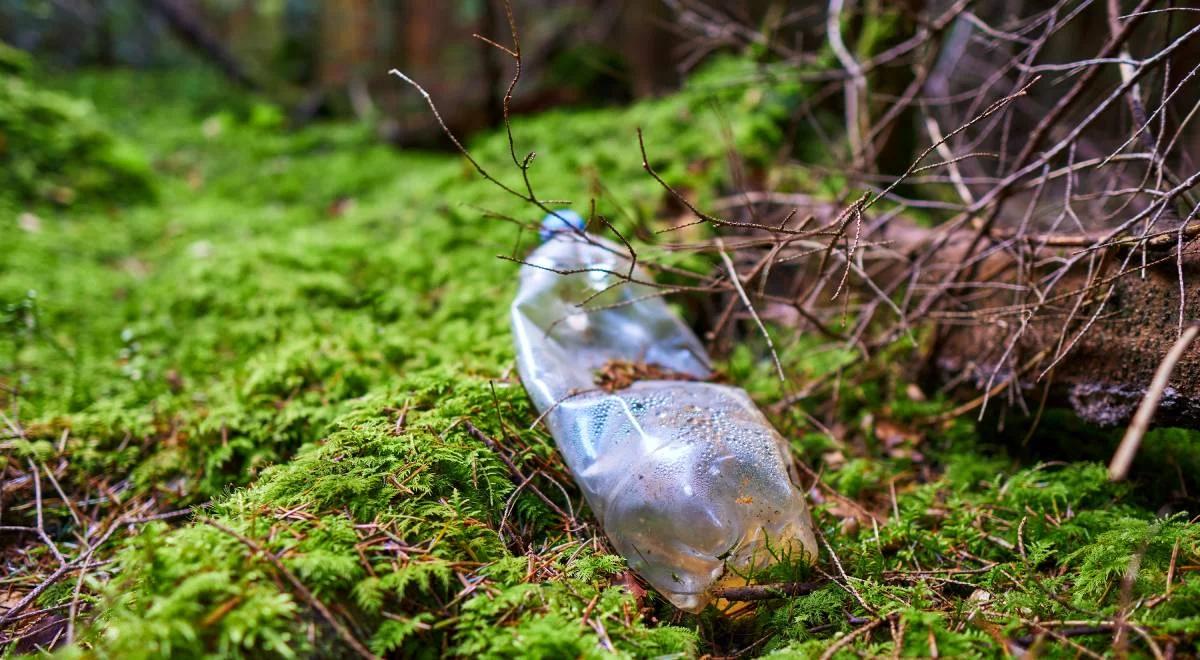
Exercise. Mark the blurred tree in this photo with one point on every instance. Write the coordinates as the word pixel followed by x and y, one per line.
pixel 322 58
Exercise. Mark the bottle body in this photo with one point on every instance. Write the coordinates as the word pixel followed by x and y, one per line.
pixel 687 478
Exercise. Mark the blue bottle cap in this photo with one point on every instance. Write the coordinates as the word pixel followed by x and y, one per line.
pixel 561 220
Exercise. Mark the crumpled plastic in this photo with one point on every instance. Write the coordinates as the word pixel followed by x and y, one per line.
pixel 688 479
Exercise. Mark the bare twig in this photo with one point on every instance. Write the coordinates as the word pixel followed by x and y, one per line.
pixel 737 285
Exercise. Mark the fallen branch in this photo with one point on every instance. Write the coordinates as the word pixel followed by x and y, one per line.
pixel 752 592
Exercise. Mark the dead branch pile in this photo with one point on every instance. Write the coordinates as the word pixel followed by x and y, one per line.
pixel 1044 225
pixel 1019 195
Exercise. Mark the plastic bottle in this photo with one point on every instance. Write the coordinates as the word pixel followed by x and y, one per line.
pixel 689 480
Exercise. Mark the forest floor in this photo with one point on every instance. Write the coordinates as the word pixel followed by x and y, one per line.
pixel 272 410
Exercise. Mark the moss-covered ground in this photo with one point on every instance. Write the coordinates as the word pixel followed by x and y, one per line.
pixel 270 408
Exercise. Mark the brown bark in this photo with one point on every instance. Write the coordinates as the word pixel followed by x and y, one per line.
pixel 1105 375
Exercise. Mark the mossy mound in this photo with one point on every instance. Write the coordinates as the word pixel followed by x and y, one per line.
pixel 14 61
pixel 56 148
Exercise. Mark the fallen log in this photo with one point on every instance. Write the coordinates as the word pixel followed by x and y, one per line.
pixel 1087 333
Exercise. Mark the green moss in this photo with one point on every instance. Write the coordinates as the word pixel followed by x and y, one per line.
pixel 14 61
pixel 54 147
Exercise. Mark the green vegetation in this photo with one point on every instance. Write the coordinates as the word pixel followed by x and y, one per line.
pixel 53 147
pixel 304 336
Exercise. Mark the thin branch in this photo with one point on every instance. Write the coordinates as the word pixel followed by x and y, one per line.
pixel 741 291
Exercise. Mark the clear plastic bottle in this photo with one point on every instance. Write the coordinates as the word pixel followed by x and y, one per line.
pixel 689 480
